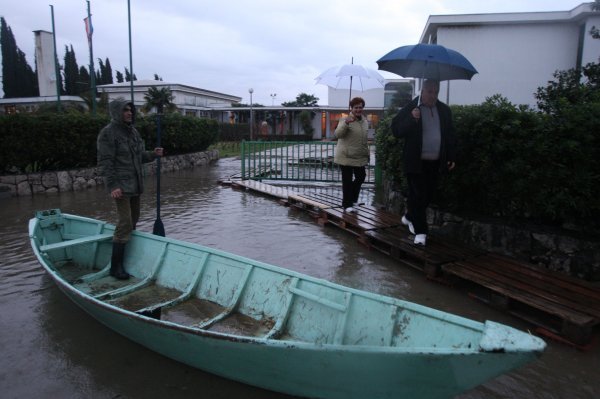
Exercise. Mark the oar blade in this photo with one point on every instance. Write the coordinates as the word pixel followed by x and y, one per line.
pixel 159 228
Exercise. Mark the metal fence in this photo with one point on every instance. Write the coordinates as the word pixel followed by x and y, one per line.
pixel 293 161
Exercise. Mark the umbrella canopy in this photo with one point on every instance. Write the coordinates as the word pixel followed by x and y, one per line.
pixel 427 61
pixel 351 76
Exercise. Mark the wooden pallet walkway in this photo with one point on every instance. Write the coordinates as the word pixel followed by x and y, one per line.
pixel 268 189
pixel 558 305
pixel 398 243
pixel 550 300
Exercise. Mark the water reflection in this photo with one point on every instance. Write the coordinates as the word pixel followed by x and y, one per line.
pixel 50 348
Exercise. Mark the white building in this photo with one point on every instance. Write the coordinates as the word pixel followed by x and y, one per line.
pixel 191 101
pixel 514 53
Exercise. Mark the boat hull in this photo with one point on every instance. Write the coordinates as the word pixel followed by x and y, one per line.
pixel 300 367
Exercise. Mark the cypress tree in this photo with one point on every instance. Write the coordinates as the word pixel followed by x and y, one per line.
pixel 120 78
pixel 108 70
pixel 100 73
pixel 71 72
pixel 84 82
pixel 18 79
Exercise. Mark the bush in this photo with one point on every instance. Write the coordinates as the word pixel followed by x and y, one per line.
pixel 68 141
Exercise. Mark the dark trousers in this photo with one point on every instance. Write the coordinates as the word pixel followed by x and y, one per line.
pixel 128 210
pixel 421 188
pixel 352 179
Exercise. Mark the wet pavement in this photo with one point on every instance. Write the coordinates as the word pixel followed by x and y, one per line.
pixel 50 348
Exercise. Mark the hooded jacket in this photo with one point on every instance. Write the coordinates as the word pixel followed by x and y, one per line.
pixel 404 126
pixel 121 153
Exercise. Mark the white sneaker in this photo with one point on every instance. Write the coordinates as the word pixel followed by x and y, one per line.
pixel 420 239
pixel 408 223
pixel 349 209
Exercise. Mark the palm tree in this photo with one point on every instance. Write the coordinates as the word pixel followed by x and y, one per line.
pixel 161 98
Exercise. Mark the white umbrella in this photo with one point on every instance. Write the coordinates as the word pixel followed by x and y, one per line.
pixel 345 76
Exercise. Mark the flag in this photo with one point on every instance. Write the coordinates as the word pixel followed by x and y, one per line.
pixel 89 29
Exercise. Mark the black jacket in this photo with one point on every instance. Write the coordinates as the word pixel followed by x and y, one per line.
pixel 404 126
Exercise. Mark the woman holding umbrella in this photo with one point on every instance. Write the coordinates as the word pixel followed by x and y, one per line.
pixel 426 126
pixel 352 152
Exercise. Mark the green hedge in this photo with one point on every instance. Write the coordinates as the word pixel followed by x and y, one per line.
pixel 66 141
pixel 517 163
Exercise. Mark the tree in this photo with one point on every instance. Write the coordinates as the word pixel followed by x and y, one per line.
pixel 108 77
pixel 161 98
pixel 84 77
pixel 71 71
pixel 302 100
pixel 120 78
pixel 84 82
pixel 156 77
pixel 100 72
pixel 569 90
pixel 105 72
pixel 128 76
pixel 18 79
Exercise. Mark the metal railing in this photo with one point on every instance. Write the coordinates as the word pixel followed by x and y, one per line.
pixel 294 161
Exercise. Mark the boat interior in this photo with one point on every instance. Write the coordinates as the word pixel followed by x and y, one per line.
pixel 206 289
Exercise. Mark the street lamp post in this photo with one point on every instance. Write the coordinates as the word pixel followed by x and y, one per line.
pixel 250 90
pixel 273 98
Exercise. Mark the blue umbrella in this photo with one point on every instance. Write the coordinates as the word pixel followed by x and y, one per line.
pixel 427 61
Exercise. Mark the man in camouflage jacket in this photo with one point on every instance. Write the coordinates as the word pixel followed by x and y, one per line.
pixel 120 157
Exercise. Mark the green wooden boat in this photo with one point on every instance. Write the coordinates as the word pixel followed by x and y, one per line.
pixel 268 326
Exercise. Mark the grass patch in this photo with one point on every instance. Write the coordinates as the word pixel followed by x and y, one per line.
pixel 227 149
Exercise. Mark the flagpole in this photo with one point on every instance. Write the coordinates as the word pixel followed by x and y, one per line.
pixel 130 53
pixel 56 66
pixel 92 72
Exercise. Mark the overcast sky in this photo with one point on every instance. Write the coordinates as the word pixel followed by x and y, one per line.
pixel 273 46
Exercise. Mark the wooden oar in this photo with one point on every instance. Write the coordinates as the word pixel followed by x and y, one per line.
pixel 159 228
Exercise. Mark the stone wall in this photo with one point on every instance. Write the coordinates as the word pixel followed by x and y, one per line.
pixel 82 179
pixel 560 250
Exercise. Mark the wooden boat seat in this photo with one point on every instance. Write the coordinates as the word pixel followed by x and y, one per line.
pixel 281 320
pixel 293 290
pixel 185 295
pixel 76 241
pixel 229 309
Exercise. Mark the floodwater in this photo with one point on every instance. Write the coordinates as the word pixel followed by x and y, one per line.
pixel 51 348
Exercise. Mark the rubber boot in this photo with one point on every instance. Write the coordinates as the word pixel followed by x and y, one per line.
pixel 116 262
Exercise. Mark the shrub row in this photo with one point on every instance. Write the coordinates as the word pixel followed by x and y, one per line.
pixel 66 141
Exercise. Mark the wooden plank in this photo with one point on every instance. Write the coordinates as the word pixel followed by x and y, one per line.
pixel 77 241
pixel 263 188
pixel 353 220
pixel 327 200
pixel 556 279
pixel 577 294
pixel 436 252
pixel 542 289
pixel 520 293
pixel 307 201
pixel 383 218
